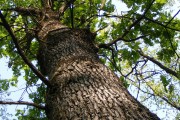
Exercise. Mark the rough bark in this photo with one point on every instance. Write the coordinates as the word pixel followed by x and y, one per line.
pixel 81 86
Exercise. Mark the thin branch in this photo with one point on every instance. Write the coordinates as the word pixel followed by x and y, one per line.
pixel 28 12
pixel 122 39
pixel 111 16
pixel 172 18
pixel 165 99
pixel 157 22
pixel 138 20
pixel 131 26
pixel 23 103
pixel 132 70
pixel 21 53
pixel 159 64
pixel 112 62
pixel 139 83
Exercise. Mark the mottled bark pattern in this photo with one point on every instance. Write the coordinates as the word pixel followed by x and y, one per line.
pixel 65 44
pixel 82 87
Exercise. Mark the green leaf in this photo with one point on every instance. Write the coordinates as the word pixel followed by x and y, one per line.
pixel 125 82
pixel 161 1
pixel 4 85
pixel 171 88
pixel 165 82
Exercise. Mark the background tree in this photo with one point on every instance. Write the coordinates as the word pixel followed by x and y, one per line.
pixel 140 45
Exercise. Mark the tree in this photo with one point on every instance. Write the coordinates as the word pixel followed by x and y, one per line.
pixel 72 40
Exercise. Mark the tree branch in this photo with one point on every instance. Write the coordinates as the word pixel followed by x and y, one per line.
pixel 130 27
pixel 174 105
pixel 118 39
pixel 172 18
pixel 66 4
pixel 157 22
pixel 46 4
pixel 23 103
pixel 27 11
pixel 21 53
pixel 138 20
pixel 165 99
pixel 159 64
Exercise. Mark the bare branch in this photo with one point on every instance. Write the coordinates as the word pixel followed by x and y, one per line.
pixel 122 39
pixel 21 53
pixel 159 64
pixel 172 18
pixel 23 103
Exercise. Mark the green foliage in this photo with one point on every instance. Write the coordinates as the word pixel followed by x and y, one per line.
pixel 33 114
pixel 161 1
pixel 4 85
pixel 177 117
pixel 156 34
pixel 165 82
pixel 125 83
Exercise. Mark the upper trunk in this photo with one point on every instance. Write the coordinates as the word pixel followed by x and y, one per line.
pixel 82 87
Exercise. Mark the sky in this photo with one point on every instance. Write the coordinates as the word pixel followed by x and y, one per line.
pixel 6 73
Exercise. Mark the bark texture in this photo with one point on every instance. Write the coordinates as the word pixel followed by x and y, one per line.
pixel 82 87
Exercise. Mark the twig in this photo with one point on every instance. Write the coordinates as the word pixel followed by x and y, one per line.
pixel 172 18
pixel 23 103
pixel 122 39
pixel 21 53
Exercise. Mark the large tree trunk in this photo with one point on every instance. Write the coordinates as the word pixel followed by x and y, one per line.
pixel 82 87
